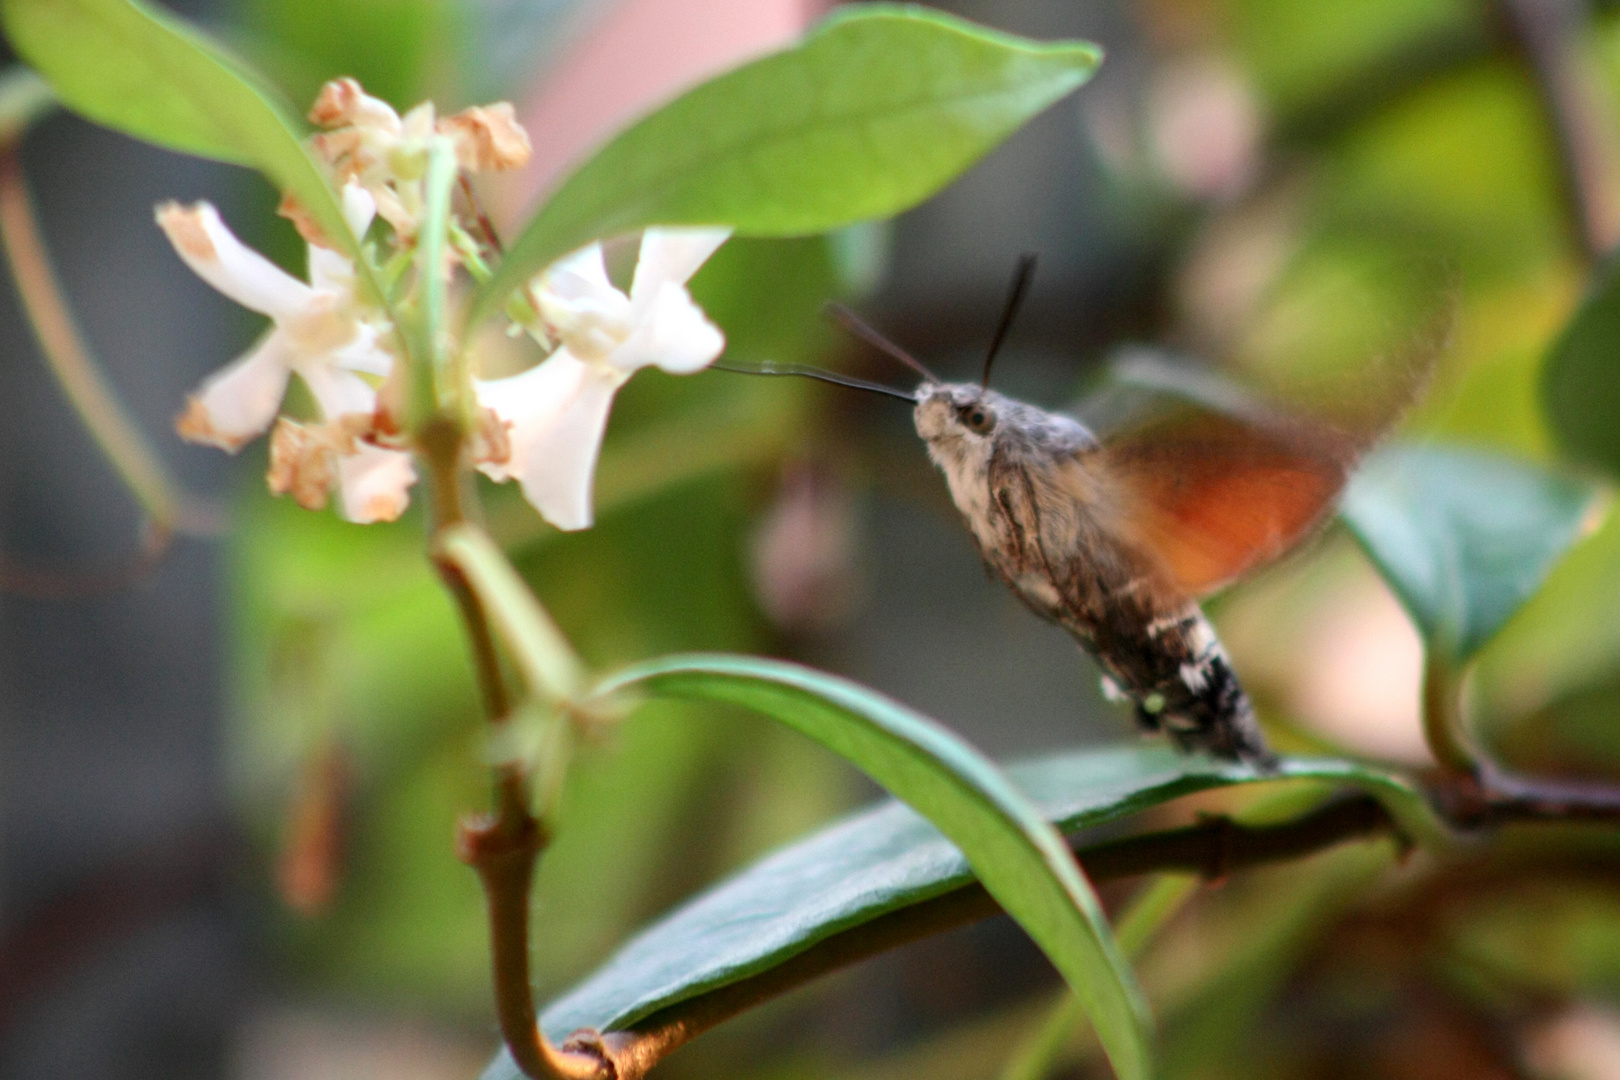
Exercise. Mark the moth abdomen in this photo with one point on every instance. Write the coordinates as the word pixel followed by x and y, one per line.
pixel 1182 683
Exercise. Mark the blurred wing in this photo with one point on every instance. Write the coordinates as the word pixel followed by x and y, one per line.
pixel 1209 497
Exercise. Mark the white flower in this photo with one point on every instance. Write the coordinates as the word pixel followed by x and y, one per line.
pixel 320 331
pixel 558 410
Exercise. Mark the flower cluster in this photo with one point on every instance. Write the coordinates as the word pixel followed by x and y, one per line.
pixel 542 427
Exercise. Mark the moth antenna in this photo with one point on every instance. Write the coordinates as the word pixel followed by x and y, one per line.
pixel 1009 311
pixel 857 326
pixel 772 367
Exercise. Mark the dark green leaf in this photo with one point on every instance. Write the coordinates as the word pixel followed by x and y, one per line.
pixel 886 858
pixel 879 108
pixel 1022 861
pixel 150 75
pixel 1464 537
pixel 1581 380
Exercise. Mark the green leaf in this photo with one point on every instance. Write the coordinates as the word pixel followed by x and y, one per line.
pixel 1581 382
pixel 150 75
pixel 1464 537
pixel 1019 857
pixel 888 857
pixel 881 106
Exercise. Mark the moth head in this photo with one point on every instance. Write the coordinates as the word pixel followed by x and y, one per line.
pixel 962 414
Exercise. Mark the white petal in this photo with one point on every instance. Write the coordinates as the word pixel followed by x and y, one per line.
pixel 530 402
pixel 330 271
pixel 374 114
pixel 558 419
pixel 670 255
pixel 239 401
pixel 392 210
pixel 364 353
pixel 675 335
pixel 561 468
pixel 338 392
pixel 375 483
pixel 230 266
pixel 586 264
pixel 359 208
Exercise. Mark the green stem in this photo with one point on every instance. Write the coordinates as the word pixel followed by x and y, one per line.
pixel 551 669
pixel 432 283
pixel 1442 717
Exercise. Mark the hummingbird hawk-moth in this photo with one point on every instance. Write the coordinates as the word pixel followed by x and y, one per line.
pixel 1115 535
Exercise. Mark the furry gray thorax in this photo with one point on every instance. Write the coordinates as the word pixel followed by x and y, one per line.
pixel 1038 498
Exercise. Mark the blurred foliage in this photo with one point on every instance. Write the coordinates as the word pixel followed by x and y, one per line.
pixel 1299 53
pixel 401 50
pixel 1463 538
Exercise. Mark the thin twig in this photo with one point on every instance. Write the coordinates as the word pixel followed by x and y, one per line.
pixel 1546 34
pixel 503 848
pixel 1491 798
pixel 76 371
pixel 491 683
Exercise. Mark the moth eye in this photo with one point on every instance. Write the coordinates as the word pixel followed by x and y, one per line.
pixel 979 420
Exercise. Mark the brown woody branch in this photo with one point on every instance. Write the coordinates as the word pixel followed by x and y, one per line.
pixel 1491 797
